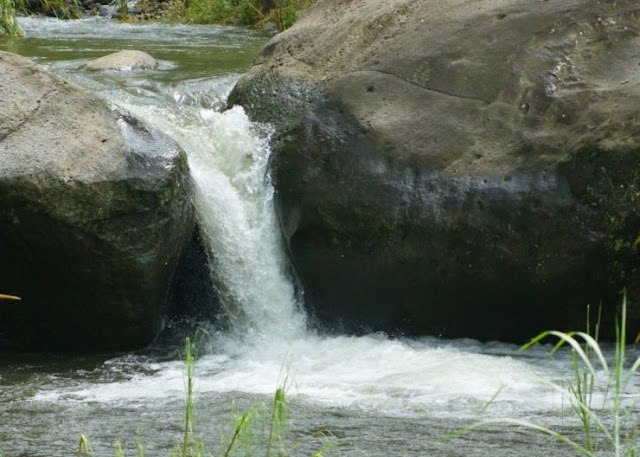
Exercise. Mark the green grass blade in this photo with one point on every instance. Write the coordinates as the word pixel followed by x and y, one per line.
pixel 595 347
pixel 84 447
pixel 278 422
pixel 593 417
pixel 318 434
pixel 119 451
pixel 566 338
pixel 241 424
pixel 189 406
pixel 521 423
pixel 483 409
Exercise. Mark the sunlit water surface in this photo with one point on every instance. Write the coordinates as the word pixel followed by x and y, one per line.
pixel 380 396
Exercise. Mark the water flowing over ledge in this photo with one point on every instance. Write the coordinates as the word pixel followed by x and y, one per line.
pixel 228 157
pixel 370 387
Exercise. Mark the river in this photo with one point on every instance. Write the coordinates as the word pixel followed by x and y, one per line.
pixel 379 396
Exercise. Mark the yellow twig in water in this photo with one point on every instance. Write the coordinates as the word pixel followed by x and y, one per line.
pixel 9 297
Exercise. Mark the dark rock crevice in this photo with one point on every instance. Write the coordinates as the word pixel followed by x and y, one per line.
pixel 371 88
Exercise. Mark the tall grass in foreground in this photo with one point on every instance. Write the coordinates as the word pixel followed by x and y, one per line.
pixel 257 431
pixel 617 425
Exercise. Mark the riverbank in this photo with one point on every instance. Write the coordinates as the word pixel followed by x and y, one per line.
pixel 275 14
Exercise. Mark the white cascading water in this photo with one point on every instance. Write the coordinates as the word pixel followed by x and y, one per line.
pixel 228 156
pixel 359 384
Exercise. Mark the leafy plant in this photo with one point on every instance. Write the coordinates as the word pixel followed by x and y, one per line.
pixel 587 356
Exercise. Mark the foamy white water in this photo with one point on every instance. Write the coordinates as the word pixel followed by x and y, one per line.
pixel 266 344
pixel 386 397
pixel 373 374
pixel 228 158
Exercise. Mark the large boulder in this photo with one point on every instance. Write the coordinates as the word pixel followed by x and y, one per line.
pixel 457 167
pixel 94 216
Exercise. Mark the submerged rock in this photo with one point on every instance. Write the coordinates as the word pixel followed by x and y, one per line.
pixel 124 61
pixel 458 168
pixel 95 215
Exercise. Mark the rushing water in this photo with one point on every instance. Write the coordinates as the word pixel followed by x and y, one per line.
pixel 381 396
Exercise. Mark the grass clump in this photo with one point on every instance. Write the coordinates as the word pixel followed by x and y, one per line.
pixel 615 423
pixel 260 430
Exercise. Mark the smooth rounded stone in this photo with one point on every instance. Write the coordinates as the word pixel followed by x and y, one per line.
pixel 460 168
pixel 124 61
pixel 95 216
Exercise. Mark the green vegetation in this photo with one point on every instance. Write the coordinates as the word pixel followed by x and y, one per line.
pixel 9 9
pixel 282 13
pixel 8 21
pixel 54 8
pixel 616 422
pixel 123 7
pixel 258 431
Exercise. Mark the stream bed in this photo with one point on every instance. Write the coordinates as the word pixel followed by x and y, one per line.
pixel 379 396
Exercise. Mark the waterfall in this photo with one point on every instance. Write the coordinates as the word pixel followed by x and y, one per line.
pixel 234 199
pixel 367 388
pixel 228 157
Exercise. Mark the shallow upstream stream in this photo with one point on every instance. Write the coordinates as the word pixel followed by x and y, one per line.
pixel 379 396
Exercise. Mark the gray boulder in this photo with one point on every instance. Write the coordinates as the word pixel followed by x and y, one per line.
pixel 94 216
pixel 454 167
pixel 124 61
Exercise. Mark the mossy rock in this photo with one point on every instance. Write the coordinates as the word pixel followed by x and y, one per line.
pixel 95 215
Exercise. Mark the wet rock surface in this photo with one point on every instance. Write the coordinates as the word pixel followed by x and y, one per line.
pixel 459 168
pixel 95 215
pixel 123 61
